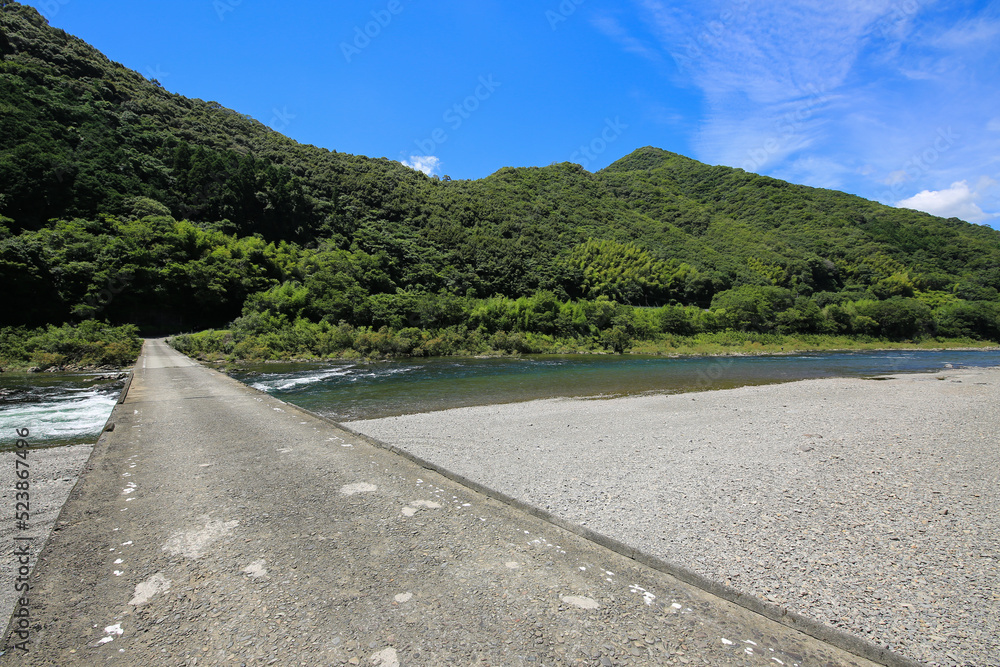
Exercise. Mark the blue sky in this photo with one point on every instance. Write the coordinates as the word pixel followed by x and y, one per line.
pixel 893 100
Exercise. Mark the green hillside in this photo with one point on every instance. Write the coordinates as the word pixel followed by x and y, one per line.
pixel 123 202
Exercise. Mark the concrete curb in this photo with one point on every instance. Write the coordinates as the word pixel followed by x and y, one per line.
pixel 128 384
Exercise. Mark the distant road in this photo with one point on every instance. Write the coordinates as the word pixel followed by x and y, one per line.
pixel 219 526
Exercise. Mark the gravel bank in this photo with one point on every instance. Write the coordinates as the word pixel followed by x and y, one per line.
pixel 871 505
pixel 54 471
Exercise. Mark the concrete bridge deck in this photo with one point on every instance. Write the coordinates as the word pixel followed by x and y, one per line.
pixel 216 525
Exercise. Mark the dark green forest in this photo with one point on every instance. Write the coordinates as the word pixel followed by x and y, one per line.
pixel 123 203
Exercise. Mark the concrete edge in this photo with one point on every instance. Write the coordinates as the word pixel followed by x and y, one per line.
pixel 128 385
pixel 815 629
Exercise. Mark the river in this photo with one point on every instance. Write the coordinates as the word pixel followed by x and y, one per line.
pixel 350 391
pixel 62 409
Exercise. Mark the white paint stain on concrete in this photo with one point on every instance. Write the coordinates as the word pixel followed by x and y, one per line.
pixel 386 658
pixel 580 601
pixel 403 597
pixel 118 561
pixel 256 569
pixel 647 597
pixel 726 642
pixel 194 543
pixel 354 489
pixel 111 631
pixel 118 573
pixel 513 565
pixel 145 591
pixel 418 505
pixel 426 504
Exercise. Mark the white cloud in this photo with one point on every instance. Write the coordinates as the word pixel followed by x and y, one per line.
pixel 958 201
pixel 815 171
pixel 757 139
pixel 772 74
pixel 769 52
pixel 611 27
pixel 425 163
pixel 969 34
pixel 896 177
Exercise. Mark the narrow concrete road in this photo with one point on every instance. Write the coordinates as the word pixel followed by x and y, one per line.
pixel 219 526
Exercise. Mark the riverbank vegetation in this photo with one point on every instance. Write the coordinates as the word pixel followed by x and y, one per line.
pixel 542 324
pixel 124 203
pixel 89 345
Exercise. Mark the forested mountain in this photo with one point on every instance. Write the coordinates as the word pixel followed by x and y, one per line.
pixel 122 201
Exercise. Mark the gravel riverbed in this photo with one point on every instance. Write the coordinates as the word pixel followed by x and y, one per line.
pixel 872 505
pixel 52 473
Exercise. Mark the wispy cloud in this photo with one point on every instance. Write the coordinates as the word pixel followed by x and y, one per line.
pixel 611 27
pixel 969 33
pixel 769 73
pixel 425 163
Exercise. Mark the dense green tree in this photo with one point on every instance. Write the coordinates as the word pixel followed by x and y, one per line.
pixel 752 307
